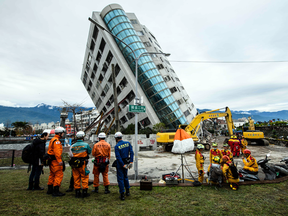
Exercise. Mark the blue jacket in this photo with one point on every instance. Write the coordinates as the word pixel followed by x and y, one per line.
pixel 122 150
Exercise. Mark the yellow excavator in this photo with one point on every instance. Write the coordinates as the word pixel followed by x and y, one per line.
pixel 166 137
pixel 252 135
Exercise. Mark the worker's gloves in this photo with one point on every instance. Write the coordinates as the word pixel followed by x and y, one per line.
pixel 125 166
pixel 130 166
pixel 200 172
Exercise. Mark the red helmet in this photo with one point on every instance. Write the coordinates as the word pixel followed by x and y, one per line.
pixel 247 151
pixel 226 157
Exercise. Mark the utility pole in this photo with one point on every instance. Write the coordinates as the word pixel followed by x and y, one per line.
pixel 115 99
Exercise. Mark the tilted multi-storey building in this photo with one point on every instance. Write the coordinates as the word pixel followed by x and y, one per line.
pixel 163 94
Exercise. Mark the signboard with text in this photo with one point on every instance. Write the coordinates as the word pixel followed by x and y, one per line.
pixel 137 109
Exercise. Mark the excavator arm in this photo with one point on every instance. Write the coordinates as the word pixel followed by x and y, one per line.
pixel 194 125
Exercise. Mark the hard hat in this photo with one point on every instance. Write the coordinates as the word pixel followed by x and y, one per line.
pixel 232 137
pixel 59 130
pixel 102 135
pixel 214 144
pixel 216 159
pixel 80 134
pixel 235 137
pixel 118 135
pixel 226 157
pixel 247 151
pixel 200 146
pixel 225 145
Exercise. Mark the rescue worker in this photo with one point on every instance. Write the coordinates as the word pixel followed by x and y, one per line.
pixel 102 152
pixel 199 158
pixel 228 174
pixel 236 147
pixel 214 152
pixel 215 171
pixel 227 152
pixel 57 165
pixel 251 163
pixel 80 151
pixel 231 143
pixel 124 155
pixel 244 144
pixel 37 166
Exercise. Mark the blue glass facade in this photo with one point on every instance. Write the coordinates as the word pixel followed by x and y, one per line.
pixel 149 77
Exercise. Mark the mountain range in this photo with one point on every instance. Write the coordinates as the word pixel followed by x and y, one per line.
pixel 43 113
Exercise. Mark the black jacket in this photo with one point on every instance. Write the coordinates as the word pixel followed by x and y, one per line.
pixel 38 150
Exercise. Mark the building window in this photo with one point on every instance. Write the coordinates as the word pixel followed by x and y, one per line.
pixel 104 110
pixel 180 101
pixel 153 55
pixel 186 113
pixel 117 70
pixel 157 44
pixel 101 78
pixel 118 91
pixel 140 33
pixel 109 58
pixel 123 120
pixel 130 96
pixel 98 57
pixel 182 88
pixel 177 79
pixel 105 68
pixel 93 95
pixel 123 83
pixel 167 78
pixel 150 39
pixel 172 70
pixel 167 62
pixel 106 89
pixel 92 46
pixel 152 36
pixel 93 75
pixel 173 89
pixel 102 45
pixel 95 33
pixel 145 122
pixel 130 115
pixel 147 44
pixel 160 66
pixel 134 22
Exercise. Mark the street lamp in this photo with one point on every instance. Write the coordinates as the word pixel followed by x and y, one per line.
pixel 137 102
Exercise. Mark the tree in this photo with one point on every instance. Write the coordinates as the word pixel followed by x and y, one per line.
pixel 20 127
pixel 158 127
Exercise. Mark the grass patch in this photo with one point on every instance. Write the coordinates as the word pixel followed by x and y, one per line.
pixel 7 162
pixel 270 199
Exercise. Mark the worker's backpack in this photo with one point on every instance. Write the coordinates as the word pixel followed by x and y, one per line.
pixel 234 170
pixel 28 153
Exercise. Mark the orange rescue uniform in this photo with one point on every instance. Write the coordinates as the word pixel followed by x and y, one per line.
pixel 101 149
pixel 231 144
pixel 56 170
pixel 228 174
pixel 228 153
pixel 251 164
pixel 214 153
pixel 244 144
pixel 199 158
pixel 80 150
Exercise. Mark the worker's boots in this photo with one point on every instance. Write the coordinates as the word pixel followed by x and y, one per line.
pixel 85 193
pixel 95 190
pixel 122 197
pixel 56 192
pixel 50 189
pixel 127 192
pixel 30 187
pixel 107 191
pixel 37 187
pixel 78 193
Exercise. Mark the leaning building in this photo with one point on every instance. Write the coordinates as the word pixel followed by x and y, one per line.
pixel 163 94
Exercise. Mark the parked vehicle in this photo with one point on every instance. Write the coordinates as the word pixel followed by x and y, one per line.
pixel 246 175
pixel 282 169
pixel 269 170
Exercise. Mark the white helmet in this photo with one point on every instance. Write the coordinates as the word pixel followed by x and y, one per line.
pixel 80 134
pixel 118 135
pixel 102 135
pixel 59 130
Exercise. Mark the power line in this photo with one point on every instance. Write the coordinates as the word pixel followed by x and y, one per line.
pixel 230 62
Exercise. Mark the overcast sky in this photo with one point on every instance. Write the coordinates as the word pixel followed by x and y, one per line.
pixel 42 45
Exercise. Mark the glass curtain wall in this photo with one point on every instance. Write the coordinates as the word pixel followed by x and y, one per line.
pixel 149 77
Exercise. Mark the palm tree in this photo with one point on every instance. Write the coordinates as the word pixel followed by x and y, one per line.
pixel 20 125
